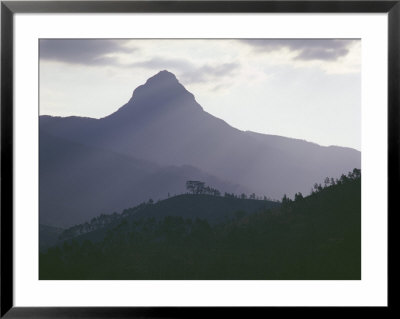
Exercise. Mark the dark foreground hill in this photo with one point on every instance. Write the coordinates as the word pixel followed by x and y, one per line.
pixel 213 209
pixel 48 236
pixel 316 237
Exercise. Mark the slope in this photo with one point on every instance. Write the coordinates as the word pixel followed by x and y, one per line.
pixel 164 124
pixel 78 182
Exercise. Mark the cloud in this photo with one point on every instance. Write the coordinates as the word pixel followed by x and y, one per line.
pixel 209 72
pixel 104 52
pixel 306 49
pixel 83 51
pixel 163 63
pixel 189 72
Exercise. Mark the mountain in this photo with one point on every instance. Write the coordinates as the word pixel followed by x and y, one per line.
pixel 163 124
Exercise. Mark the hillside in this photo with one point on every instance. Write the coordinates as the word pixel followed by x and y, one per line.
pixel 213 209
pixel 48 236
pixel 78 182
pixel 316 237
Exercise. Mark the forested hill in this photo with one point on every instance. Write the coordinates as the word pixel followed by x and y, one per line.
pixel 213 209
pixel 48 236
pixel 315 237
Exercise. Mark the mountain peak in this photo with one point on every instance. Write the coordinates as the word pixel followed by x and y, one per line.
pixel 163 75
pixel 160 93
pixel 162 87
pixel 164 82
pixel 162 79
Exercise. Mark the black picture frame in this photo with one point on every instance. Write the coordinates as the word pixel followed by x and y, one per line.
pixel 9 8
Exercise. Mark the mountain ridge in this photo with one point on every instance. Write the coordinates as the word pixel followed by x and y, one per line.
pixel 163 124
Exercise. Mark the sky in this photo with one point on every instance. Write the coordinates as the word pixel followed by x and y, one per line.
pixel 308 89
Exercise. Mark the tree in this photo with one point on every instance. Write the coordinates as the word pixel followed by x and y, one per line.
pixel 298 197
pixel 195 187
pixel 285 200
pixel 356 173
pixel 190 186
pixel 344 179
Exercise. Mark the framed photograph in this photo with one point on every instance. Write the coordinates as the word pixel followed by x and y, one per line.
pixel 171 158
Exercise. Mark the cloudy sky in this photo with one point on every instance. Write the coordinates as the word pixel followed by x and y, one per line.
pixel 303 88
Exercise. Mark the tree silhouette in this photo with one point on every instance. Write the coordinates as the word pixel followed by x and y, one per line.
pixel 195 187
pixel 285 200
pixel 298 197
